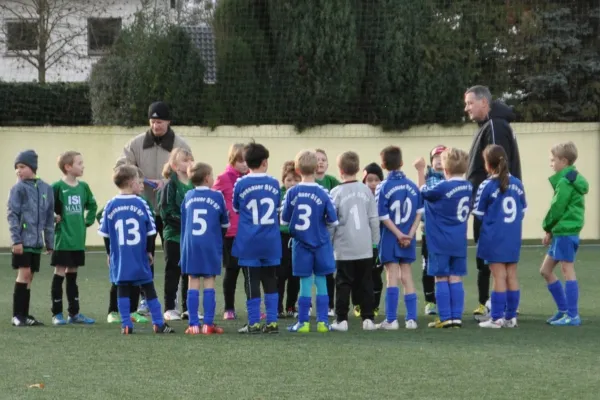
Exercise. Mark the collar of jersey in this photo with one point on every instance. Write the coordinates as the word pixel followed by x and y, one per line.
pixel 125 196
pixel 396 175
pixel 256 174
pixel 456 178
pixel 201 188
pixel 308 184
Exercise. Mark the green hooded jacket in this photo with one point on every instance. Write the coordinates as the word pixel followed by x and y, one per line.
pixel 567 210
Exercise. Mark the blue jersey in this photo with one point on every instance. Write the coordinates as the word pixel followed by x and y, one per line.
pixel 308 209
pixel 447 208
pixel 399 200
pixel 256 199
pixel 203 216
pixel 501 217
pixel 127 222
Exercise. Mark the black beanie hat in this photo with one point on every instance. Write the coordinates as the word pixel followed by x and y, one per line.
pixel 159 110
pixel 29 158
pixel 374 169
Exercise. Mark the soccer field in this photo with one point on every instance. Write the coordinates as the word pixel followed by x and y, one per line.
pixel 535 361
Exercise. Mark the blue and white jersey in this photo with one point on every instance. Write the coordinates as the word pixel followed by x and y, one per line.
pixel 308 210
pixel 501 217
pixel 256 198
pixel 127 222
pixel 447 208
pixel 203 216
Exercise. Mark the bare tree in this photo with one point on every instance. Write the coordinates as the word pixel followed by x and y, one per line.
pixel 52 30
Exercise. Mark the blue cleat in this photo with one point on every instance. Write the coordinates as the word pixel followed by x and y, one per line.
pixel 81 319
pixel 299 327
pixel 567 321
pixel 58 319
pixel 556 317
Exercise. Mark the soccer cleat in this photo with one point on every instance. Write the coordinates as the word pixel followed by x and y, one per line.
pixel 510 323
pixel 229 315
pixel 192 330
pixel 164 328
pixel 456 323
pixel 250 329
pixel 172 315
pixel 410 324
pixel 32 321
pixel 113 318
pixel 556 317
pixel 357 311
pixel 282 315
pixel 481 313
pixel 331 312
pixel 291 313
pixel 430 309
pixel 492 323
pixel 58 319
pixel 273 327
pixel 323 327
pixel 388 326
pixel 81 319
pixel 299 327
pixel 339 326
pixel 143 308
pixel 19 321
pixel 126 330
pixel 376 311
pixel 369 325
pixel 139 318
pixel 567 321
pixel 437 324
pixel 211 330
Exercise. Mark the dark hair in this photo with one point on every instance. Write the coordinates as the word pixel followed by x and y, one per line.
pixel 391 158
pixel 125 174
pixel 255 154
pixel 288 168
pixel 497 160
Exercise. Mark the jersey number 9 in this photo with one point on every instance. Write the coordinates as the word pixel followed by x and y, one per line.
pixel 509 206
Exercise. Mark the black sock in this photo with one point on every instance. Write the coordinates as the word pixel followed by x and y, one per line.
pixel 428 287
pixel 19 299
pixel 134 298
pixel 56 294
pixel 72 293
pixel 112 302
pixel 483 284
pixel 27 300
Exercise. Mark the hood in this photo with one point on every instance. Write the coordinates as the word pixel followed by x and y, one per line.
pixel 500 110
pixel 579 183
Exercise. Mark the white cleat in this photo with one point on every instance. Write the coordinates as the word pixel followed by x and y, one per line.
pixel 510 323
pixel 369 325
pixel 341 326
pixel 411 324
pixel 172 315
pixel 494 324
pixel 388 326
pixel 331 312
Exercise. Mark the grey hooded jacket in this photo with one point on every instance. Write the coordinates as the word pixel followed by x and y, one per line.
pixel 31 214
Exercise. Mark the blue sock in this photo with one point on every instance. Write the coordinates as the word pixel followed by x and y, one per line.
pixel 572 295
pixel 322 308
pixel 253 307
pixel 559 295
pixel 271 301
pixel 123 303
pixel 155 311
pixel 303 308
pixel 512 303
pixel 498 304
pixel 193 303
pixel 457 300
pixel 209 304
pixel 410 302
pixel 442 298
pixel 391 303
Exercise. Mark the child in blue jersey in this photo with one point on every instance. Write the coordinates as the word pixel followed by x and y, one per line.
pixel 447 212
pixel 500 205
pixel 128 223
pixel 562 225
pixel 203 218
pixel 308 209
pixel 399 205
pixel 257 245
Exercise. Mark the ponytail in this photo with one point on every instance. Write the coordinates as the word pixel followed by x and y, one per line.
pixel 497 163
pixel 503 174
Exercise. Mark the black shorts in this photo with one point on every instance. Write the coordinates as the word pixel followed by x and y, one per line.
pixel 68 258
pixel 27 259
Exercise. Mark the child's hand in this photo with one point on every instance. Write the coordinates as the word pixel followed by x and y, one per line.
pixel 420 164
pixel 49 251
pixel 108 261
pixel 405 243
pixel 17 249
pixel 547 239
pixel 150 258
pixel 57 219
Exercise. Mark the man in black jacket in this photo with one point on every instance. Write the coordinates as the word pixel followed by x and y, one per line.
pixel 494 120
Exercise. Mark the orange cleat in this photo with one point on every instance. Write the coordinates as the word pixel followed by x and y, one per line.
pixel 211 329
pixel 192 330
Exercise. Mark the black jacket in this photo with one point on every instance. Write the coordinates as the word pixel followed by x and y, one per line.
pixel 494 130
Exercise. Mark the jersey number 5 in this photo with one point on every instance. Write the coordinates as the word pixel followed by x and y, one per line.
pixel 130 228
pixel 266 219
pixel 197 219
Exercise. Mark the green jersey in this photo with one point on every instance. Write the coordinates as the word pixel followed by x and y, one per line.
pixel 71 204
pixel 170 207
pixel 328 182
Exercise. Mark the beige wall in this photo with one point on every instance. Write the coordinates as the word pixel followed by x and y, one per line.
pixel 101 146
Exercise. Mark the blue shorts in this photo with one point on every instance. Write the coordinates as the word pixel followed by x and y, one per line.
pixel 134 283
pixel 308 261
pixel 391 252
pixel 443 265
pixel 564 248
pixel 262 262
pixel 201 276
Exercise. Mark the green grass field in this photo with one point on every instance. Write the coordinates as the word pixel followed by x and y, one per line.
pixel 535 361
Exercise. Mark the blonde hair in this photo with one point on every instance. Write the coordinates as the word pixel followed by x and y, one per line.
pixel 125 174
pixel 455 161
pixel 322 152
pixel 176 154
pixel 349 163
pixel 198 173
pixel 567 150
pixel 236 153
pixel 306 162
pixel 289 167
pixel 67 158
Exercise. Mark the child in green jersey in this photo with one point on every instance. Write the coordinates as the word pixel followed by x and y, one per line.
pixel 72 198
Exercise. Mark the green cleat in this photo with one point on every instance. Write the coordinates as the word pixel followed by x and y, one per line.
pixel 139 318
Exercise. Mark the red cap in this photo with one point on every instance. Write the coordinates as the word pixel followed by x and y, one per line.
pixel 436 150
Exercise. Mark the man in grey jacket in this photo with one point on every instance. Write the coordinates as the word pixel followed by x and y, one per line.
pixel 30 216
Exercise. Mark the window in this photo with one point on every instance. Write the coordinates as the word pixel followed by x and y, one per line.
pixel 102 34
pixel 21 35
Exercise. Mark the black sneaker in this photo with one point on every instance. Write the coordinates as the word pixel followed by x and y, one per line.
pixel 273 327
pixel 127 331
pixel 291 312
pixel 250 329
pixel 282 314
pixel 185 316
pixel 164 328
pixel 32 321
